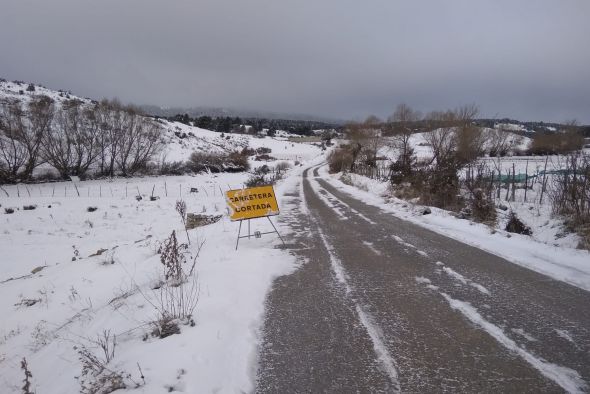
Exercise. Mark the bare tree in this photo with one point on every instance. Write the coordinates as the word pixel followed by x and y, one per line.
pixel 72 145
pixel 22 131
pixel 457 141
pixel 139 142
pixel 499 141
pixel 470 138
pixel 13 153
pixel 112 120
pixel 401 127
pixel 365 141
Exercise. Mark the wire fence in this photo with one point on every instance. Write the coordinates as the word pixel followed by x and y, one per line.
pixel 107 189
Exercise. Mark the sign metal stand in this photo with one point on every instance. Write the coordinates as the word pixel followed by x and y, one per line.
pixel 257 234
pixel 253 203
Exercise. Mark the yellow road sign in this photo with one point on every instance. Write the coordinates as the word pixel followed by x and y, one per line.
pixel 255 202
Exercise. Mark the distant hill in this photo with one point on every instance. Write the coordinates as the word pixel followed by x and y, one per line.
pixel 218 112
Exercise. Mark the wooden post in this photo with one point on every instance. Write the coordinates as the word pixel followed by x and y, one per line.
pixel 166 188
pixel 526 179
pixel 544 183
pixel 507 186
pixel 499 183
pixel 512 197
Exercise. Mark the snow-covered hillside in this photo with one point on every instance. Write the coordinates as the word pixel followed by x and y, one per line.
pixel 24 91
pixel 181 140
pixel 79 260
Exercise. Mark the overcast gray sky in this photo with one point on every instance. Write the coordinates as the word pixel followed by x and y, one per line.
pixel 528 60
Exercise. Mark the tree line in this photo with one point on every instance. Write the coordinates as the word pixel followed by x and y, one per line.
pixel 237 125
pixel 74 137
pixel 455 141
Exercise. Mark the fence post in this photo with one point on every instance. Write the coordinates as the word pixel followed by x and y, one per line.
pixel 544 181
pixel 526 179
pixel 512 197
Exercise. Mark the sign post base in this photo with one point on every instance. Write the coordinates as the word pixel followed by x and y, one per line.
pixel 258 234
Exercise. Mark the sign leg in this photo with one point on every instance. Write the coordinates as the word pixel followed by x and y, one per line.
pixel 239 230
pixel 273 226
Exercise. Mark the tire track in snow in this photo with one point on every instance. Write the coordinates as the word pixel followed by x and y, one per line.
pixel 388 363
pixel 449 271
pixel 567 378
pixel 316 188
pixel 375 333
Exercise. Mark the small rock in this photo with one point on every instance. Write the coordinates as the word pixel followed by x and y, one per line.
pixel 194 220
pixel 502 207
pixel 91 209
pixel 29 207
pixel 426 211
pixel 38 269
pixel 98 252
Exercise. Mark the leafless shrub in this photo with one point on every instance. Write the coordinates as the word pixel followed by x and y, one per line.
pixel 479 184
pixel 256 180
pixel 570 195
pixel 218 162
pixel 340 159
pixel 26 389
pixel 181 209
pixel 178 300
pixel 96 377
pixel 107 342
pixel 515 225
pixel 172 257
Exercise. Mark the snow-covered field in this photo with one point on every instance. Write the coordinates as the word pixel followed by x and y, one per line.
pixel 67 275
pixel 57 297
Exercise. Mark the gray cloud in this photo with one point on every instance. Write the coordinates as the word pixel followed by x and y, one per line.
pixel 336 58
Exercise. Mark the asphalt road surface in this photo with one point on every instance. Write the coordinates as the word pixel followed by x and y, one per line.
pixel 382 305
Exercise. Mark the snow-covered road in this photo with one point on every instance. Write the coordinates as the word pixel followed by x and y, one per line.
pixel 383 305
